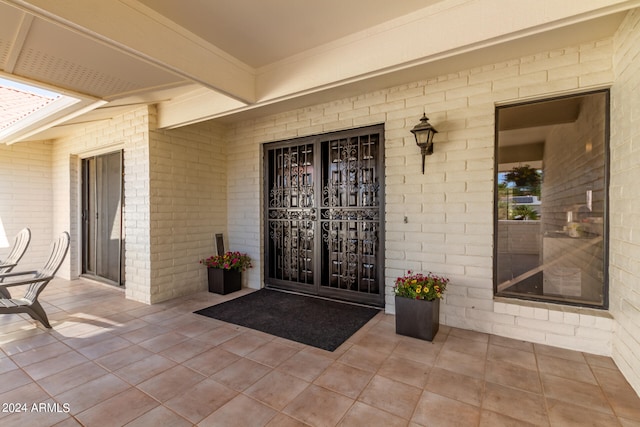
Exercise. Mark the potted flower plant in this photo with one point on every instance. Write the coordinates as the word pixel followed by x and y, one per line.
pixel 417 298
pixel 224 271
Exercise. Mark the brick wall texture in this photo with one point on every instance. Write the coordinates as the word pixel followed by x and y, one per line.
pixel 624 252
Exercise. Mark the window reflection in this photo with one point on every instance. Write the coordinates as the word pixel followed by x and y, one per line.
pixel 551 200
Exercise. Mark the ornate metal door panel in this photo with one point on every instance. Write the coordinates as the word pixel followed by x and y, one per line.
pixel 291 215
pixel 350 218
pixel 324 215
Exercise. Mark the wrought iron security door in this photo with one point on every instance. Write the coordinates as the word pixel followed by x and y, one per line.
pixel 324 215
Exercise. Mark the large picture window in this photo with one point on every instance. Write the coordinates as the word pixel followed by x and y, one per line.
pixel 551 200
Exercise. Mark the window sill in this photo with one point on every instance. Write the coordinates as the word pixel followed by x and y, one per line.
pixel 585 311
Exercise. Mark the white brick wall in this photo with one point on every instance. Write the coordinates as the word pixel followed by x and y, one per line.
pixel 188 206
pixel 625 175
pixel 175 199
pixel 449 208
pixel 26 198
pixel 128 132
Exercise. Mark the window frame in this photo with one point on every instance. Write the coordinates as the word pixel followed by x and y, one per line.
pixel 606 202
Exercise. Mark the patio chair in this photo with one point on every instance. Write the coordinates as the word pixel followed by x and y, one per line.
pixel 20 245
pixel 36 283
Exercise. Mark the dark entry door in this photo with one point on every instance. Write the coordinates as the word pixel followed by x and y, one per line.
pixel 324 215
pixel 102 255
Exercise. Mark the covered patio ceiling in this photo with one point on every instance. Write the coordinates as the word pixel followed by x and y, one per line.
pixel 216 59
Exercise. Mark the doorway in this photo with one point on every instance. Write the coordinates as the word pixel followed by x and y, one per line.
pixel 324 215
pixel 102 232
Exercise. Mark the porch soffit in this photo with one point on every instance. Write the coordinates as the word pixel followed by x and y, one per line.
pixel 215 60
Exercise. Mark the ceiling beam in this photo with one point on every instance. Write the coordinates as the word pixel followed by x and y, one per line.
pixel 18 42
pixel 127 25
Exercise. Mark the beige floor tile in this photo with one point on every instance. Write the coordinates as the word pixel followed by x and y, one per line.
pixel 24 395
pixel 623 399
pixel 129 326
pixel 71 378
pixel 467 346
pixel 54 365
pixel 84 396
pixel 583 394
pixel 306 365
pixel 217 336
pixel 122 358
pixel 185 350
pixel 344 379
pixel 380 342
pixel 469 335
pixel 363 358
pixel 418 350
pixel 276 389
pixel 456 386
pixel 213 373
pixel 362 414
pixel 159 417
pixel 561 353
pixel 521 358
pixel 405 370
pixel 211 361
pixel 282 420
pixel 240 411
pixel 39 354
pixel 521 405
pixel 13 379
pixel 198 325
pixel 461 363
pixel 199 401
pixel 435 410
pixel 244 344
pixel 145 368
pixel 88 339
pixel 626 422
pixel 493 419
pixel 513 376
pixel 565 368
pixel 511 343
pixel 318 406
pixel 118 410
pixel 163 342
pixel 171 382
pixel 139 335
pixel 272 353
pixel 241 374
pixel 37 339
pixel 566 414
pixel 68 422
pixel 391 396
pixel 598 361
pixel 104 347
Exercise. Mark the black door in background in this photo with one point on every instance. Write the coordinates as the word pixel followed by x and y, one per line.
pixel 102 232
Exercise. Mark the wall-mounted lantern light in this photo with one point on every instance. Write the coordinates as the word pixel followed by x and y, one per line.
pixel 424 132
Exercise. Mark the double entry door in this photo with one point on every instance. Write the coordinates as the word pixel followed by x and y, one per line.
pixel 102 232
pixel 324 215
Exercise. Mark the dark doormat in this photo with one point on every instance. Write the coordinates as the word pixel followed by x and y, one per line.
pixel 313 321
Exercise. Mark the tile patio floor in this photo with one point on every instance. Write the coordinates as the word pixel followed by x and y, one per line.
pixel 113 362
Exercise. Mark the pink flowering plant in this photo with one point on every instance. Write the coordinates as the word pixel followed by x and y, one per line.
pixel 228 261
pixel 420 286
